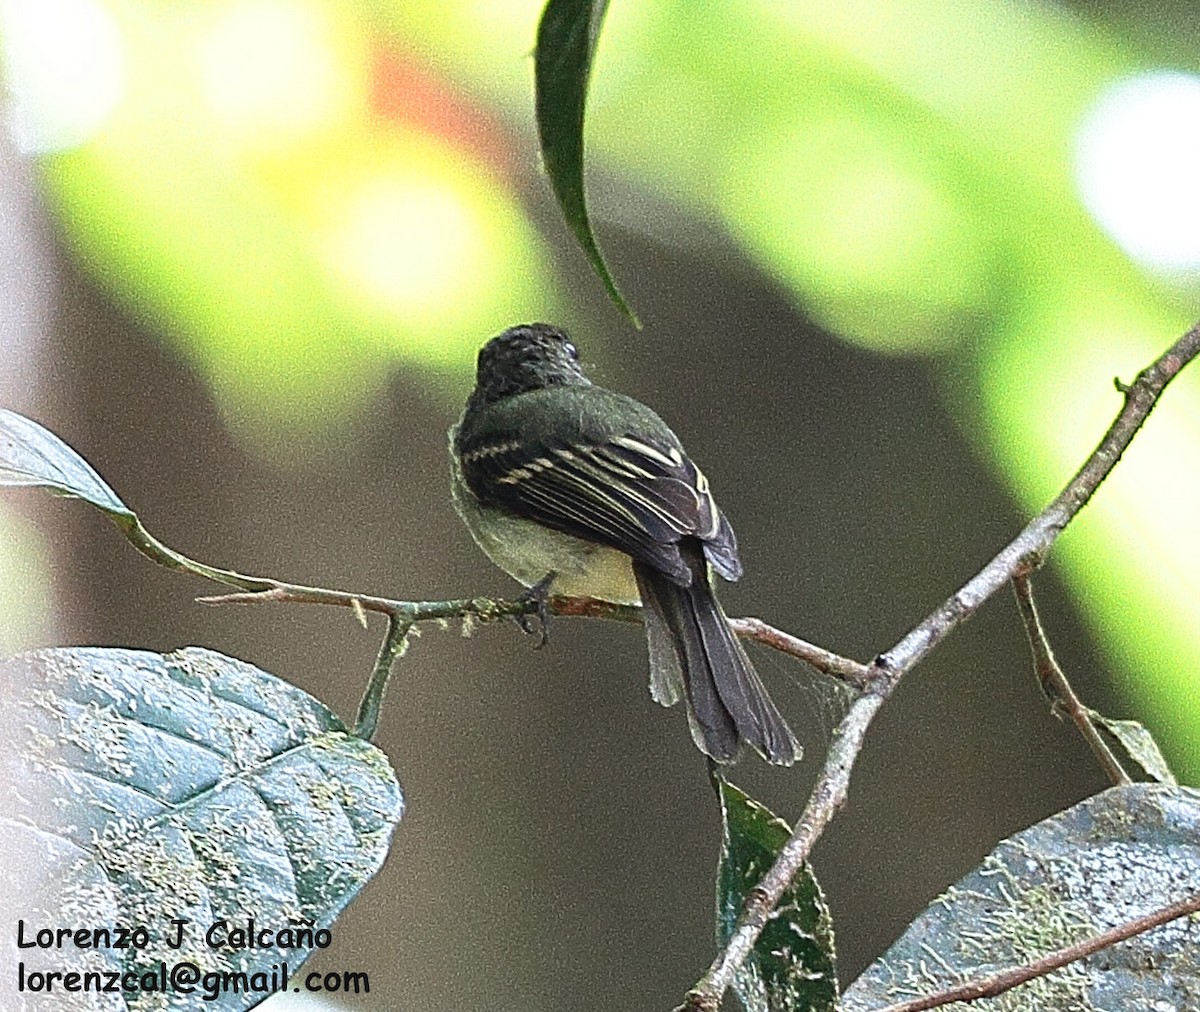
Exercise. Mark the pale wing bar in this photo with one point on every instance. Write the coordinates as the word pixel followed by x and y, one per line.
pixel 625 493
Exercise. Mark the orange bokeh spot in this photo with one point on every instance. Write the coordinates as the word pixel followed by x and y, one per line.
pixel 405 93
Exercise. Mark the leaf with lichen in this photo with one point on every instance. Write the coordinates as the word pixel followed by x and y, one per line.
pixel 137 788
pixel 1108 860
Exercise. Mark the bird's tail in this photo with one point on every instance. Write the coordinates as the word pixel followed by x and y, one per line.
pixel 695 654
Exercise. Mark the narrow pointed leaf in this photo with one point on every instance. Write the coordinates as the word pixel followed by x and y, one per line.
pixel 33 456
pixel 1115 857
pixel 792 967
pixel 1139 745
pixel 141 789
pixel 566 44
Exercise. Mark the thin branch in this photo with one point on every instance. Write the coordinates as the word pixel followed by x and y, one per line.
pixel 403 615
pixel 845 670
pixel 394 645
pixel 1031 545
pixel 486 609
pixel 1006 980
pixel 1054 681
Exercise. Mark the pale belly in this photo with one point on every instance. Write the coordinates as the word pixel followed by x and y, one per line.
pixel 583 569
pixel 527 551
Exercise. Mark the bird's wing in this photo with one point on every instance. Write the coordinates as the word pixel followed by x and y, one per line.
pixel 637 495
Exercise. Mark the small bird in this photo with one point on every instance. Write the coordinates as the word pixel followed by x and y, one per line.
pixel 576 490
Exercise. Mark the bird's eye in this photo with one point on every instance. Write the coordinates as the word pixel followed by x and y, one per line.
pixel 571 351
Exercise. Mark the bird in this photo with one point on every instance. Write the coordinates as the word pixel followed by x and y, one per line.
pixel 577 490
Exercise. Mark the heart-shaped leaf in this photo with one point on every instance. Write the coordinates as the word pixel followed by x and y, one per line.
pixel 171 794
pixel 792 967
pixel 1117 856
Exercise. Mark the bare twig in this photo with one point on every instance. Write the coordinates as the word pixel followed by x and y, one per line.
pixel 403 615
pixel 888 668
pixel 875 682
pixel 1054 681
pixel 845 670
pixel 1006 980
pixel 394 645
pixel 487 609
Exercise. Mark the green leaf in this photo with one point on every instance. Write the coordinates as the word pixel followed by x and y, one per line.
pixel 138 788
pixel 566 44
pixel 792 967
pixel 1139 744
pixel 32 456
pixel 1117 856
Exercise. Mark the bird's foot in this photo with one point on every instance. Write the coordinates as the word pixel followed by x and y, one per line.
pixel 539 596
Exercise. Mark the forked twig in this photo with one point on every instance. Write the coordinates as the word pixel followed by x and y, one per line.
pixel 1054 681
pixel 1029 546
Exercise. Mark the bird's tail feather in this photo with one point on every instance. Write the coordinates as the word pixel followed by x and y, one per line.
pixel 694 654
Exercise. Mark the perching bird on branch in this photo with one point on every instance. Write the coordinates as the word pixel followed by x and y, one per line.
pixel 576 490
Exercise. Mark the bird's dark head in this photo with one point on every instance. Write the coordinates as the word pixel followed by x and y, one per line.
pixel 524 358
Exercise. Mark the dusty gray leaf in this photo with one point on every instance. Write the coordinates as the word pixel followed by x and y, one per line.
pixel 137 788
pixel 1114 857
pixel 32 456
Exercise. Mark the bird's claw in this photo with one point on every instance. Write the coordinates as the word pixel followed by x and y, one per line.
pixel 538 620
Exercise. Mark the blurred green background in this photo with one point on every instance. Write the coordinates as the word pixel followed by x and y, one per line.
pixel 889 257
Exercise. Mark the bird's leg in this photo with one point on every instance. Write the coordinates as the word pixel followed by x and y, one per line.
pixel 539 596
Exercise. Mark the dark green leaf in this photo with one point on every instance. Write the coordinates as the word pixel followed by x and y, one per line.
pixel 136 788
pixel 566 43
pixel 792 968
pixel 1139 744
pixel 33 456
pixel 1116 856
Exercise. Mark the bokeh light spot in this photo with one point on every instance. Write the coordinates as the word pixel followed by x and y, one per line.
pixel 25 591
pixel 870 232
pixel 65 65
pixel 271 70
pixel 1137 154
pixel 405 241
